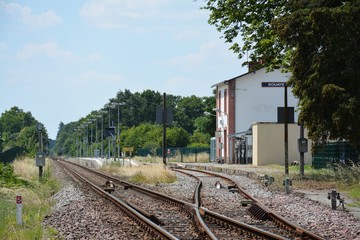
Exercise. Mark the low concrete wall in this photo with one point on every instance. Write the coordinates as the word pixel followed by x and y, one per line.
pixel 87 162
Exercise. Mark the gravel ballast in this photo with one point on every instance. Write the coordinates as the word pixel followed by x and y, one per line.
pixel 78 214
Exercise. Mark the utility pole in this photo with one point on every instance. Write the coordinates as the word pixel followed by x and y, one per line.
pixel 302 163
pixel 40 156
pixel 286 143
pixel 164 129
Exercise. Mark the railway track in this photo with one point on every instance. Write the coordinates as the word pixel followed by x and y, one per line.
pixel 200 219
pixel 154 231
pixel 246 208
pixel 176 217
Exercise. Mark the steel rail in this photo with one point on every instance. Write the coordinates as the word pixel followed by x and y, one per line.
pixel 278 220
pixel 141 220
pixel 253 231
pixel 136 187
pixel 199 211
pixel 190 208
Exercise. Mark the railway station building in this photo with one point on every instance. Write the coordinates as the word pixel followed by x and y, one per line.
pixel 250 120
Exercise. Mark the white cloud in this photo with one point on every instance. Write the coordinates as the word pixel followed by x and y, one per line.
pixel 206 53
pixel 52 50
pixel 94 77
pixel 176 81
pixel 124 8
pixel 114 14
pixel 25 16
pixel 185 86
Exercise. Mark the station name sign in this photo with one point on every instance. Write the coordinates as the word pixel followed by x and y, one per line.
pixel 273 84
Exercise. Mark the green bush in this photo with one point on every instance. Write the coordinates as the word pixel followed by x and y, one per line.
pixel 8 177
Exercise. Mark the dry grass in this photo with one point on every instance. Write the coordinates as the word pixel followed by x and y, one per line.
pixel 37 202
pixel 150 174
pixel 26 168
pixel 200 158
pixel 149 159
pixel 191 158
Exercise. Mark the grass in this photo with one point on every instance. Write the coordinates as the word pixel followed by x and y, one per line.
pixel 149 159
pixel 150 174
pixel 200 158
pixel 36 204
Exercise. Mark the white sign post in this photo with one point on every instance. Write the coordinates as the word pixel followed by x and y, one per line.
pixel 19 210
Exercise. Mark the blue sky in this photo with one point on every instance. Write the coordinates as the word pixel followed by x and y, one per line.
pixel 62 59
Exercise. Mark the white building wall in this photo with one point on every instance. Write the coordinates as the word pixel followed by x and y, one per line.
pixel 255 103
pixel 222 120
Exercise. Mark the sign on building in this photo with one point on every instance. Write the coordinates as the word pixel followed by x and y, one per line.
pixel 273 84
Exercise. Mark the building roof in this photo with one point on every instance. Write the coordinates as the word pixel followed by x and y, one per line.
pixel 240 76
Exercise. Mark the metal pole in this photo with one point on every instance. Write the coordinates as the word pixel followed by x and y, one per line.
pixel 164 129
pixel 41 151
pixel 84 148
pixel 78 139
pixel 286 132
pixel 302 162
pixel 96 135
pixel 109 137
pixel 222 137
pixel 87 140
pixel 83 144
pixel 333 199
pixel 76 144
pixel 113 144
pixel 102 136
pixel 287 187
pixel 91 149
pixel 118 132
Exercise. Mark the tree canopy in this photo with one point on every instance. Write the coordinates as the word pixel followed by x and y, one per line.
pixel 137 121
pixel 17 129
pixel 317 41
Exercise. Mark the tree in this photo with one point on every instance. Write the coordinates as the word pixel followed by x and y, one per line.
pixel 199 139
pixel 137 118
pixel 187 110
pixel 318 41
pixel 205 124
pixel 324 36
pixel 61 125
pixel 28 139
pixel 139 135
pixel 252 21
pixel 177 137
pixel 17 128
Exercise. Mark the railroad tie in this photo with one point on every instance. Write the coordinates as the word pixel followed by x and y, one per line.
pixel 257 212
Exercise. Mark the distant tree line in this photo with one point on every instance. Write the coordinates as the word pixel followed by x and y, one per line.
pixel 18 129
pixel 137 117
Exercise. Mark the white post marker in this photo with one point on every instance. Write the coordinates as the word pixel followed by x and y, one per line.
pixel 19 209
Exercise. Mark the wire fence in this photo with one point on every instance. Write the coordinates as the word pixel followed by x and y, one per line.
pixel 182 154
pixel 327 155
pixel 10 155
